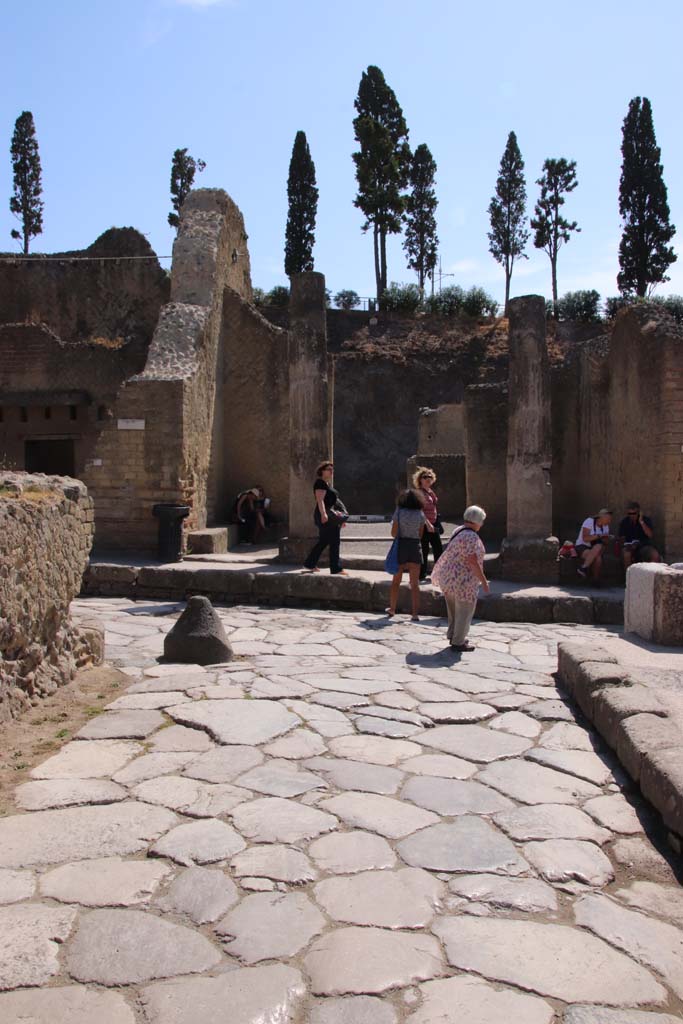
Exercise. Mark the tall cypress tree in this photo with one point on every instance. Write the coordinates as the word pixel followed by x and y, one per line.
pixel 551 229
pixel 421 242
pixel 644 252
pixel 183 169
pixel 508 235
pixel 302 195
pixel 382 164
pixel 26 202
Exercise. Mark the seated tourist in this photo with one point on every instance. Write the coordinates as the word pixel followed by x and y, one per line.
pixel 245 513
pixel 593 538
pixel 635 536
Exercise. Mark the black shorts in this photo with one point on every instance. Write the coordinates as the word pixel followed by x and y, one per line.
pixel 409 551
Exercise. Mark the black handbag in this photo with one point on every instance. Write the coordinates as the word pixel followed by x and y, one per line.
pixel 438 525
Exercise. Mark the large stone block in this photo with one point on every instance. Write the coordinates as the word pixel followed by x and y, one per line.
pixel 641 736
pixel 210 541
pixel 661 780
pixel 198 636
pixel 614 702
pixel 571 658
pixel 531 560
pixel 654 603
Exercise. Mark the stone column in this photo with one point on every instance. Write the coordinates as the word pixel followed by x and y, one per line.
pixel 529 552
pixel 310 421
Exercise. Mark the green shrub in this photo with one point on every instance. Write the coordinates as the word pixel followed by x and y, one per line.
pixel 448 302
pixel 583 306
pixel 258 296
pixel 479 303
pixel 401 298
pixel 673 304
pixel 614 304
pixel 277 296
pixel 347 299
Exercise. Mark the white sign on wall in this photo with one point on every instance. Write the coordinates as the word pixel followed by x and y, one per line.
pixel 131 424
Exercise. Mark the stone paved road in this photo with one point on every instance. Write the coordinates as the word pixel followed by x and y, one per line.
pixel 346 825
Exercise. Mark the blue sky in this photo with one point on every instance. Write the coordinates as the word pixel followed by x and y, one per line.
pixel 116 87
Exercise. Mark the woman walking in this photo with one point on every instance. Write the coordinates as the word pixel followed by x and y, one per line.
pixel 459 574
pixel 423 481
pixel 330 516
pixel 408 524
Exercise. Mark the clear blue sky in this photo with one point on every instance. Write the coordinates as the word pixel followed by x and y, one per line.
pixel 116 87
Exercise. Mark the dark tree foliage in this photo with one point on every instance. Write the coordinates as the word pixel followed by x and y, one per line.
pixel 551 229
pixel 508 235
pixel 644 252
pixel 347 298
pixel 382 164
pixel 25 202
pixel 421 242
pixel 302 196
pixel 183 169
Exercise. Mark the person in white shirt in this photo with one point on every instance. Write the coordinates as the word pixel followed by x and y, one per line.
pixel 593 537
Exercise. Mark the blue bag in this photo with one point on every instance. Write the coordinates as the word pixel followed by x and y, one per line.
pixel 391 561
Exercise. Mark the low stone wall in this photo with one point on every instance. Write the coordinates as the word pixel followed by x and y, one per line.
pixel 46 525
pixel 637 713
pixel 653 608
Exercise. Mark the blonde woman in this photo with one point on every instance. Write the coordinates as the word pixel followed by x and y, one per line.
pixel 423 482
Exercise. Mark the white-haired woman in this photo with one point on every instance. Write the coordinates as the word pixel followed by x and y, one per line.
pixel 459 573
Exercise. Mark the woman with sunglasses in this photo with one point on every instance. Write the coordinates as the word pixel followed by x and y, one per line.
pixel 423 482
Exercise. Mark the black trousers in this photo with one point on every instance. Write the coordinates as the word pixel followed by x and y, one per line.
pixel 329 535
pixel 437 547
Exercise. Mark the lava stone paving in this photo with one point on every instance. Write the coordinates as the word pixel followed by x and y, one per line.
pixel 346 824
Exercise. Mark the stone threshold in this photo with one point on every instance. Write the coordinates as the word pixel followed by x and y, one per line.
pixel 285 586
pixel 636 711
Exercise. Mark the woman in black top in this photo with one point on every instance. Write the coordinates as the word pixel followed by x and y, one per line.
pixel 329 516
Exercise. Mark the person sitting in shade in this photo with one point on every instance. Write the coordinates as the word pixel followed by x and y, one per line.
pixel 635 535
pixel 593 538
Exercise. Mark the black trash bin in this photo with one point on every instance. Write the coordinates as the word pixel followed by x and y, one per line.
pixel 170 530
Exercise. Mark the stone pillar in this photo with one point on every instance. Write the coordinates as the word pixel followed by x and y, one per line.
pixel 310 421
pixel 529 552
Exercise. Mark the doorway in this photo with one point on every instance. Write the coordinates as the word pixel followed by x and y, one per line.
pixel 54 457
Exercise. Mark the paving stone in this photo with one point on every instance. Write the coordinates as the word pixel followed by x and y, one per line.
pixel 165 684
pixel 236 721
pixel 111 725
pixel 468 844
pixel 561 860
pixel 353 1010
pixel 276 820
pixel 642 857
pixel 29 937
pixel 147 701
pixel 529 895
pixel 373 750
pixel 471 1000
pixel 474 743
pixel 452 796
pixel 550 821
pixel 215 691
pixel 298 744
pixel 505 701
pixel 532 783
pixel 172 669
pixel 276 689
pixel 389 817
pixel 340 701
pixel 348 852
pixel 347 684
pixel 203 894
pixel 566 736
pixel 223 764
pixel 606 1015
pixel 585 766
pixel 69 1004
pixel 407 898
pixel 442 766
pixel 266 926
pixel 79 833
pixel 517 724
pixel 653 898
pixel 428 692
pixel 656 944
pixel 179 738
pixel 395 699
pixel 462 711
pixel 368 778
pixel 200 842
pixel 550 959
pixel 281 863
pixel 124 947
pixel 615 813
pixel 16 885
pixel 93 760
pixel 477 684
pixel 252 884
pixel 254 995
pixel 550 711
pixel 384 727
pixel 357 961
pixel 280 778
pixel 41 795
pixel 152 766
pixel 192 797
pixel 104 882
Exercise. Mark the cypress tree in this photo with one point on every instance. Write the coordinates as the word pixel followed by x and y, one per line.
pixel 183 170
pixel 382 164
pixel 551 229
pixel 302 195
pixel 421 242
pixel 644 252
pixel 508 235
pixel 26 202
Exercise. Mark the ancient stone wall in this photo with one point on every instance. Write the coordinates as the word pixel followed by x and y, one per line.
pixel 46 524
pixel 442 429
pixel 486 432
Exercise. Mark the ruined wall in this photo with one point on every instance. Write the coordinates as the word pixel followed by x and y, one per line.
pixel 46 524
pixel 486 432
pixel 442 429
